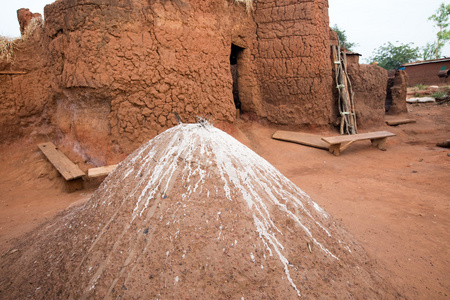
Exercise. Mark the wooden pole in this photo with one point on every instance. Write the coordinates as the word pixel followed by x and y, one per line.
pixel 12 73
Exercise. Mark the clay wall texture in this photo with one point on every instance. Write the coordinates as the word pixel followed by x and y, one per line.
pixel 119 69
pixel 352 58
pixel 369 87
pixel 427 74
pixel 396 92
pixel 136 64
pixel 26 101
pixel 105 76
pixel 293 61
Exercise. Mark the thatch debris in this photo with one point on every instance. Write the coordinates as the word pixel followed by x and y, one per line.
pixel 248 4
pixel 8 45
pixel 34 24
pixel 7 48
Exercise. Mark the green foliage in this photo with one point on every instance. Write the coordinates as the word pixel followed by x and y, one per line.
pixel 421 86
pixel 431 51
pixel 391 57
pixel 438 95
pixel 343 38
pixel 440 18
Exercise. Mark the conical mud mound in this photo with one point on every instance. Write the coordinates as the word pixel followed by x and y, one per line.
pixel 192 214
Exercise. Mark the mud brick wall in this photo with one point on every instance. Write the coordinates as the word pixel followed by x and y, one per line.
pixel 427 73
pixel 396 92
pixel 369 87
pixel 124 67
pixel 26 101
pixel 106 76
pixel 293 61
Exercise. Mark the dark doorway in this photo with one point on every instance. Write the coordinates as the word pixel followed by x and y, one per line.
pixel 236 52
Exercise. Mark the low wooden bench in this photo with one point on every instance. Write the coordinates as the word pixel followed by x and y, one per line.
pixel 101 171
pixel 341 142
pixel 70 171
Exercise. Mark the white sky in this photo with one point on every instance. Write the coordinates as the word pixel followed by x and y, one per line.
pixel 9 26
pixel 369 23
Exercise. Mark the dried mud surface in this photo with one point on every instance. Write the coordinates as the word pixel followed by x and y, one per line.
pixel 395 203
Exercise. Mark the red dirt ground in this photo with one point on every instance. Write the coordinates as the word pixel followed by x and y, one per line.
pixel 396 202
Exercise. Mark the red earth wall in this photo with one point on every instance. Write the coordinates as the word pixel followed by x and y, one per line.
pixel 293 62
pixel 105 76
pixel 26 101
pixel 118 70
pixel 369 87
pixel 396 91
pixel 427 73
pixel 368 84
pixel 140 63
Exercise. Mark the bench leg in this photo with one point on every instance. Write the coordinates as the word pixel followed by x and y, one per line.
pixel 335 149
pixel 379 143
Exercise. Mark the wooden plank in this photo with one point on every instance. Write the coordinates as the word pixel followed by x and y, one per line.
pixel 101 171
pixel 393 122
pixel 301 138
pixel 65 166
pixel 12 73
pixel 357 137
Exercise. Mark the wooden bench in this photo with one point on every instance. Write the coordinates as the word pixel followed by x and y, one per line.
pixel 307 139
pixel 70 171
pixel 341 142
pixel 101 171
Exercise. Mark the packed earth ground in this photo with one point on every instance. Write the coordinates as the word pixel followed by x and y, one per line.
pixel 396 203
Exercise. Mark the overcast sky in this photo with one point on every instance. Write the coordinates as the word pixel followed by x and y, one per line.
pixel 369 23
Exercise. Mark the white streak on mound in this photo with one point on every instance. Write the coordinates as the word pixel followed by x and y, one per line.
pixel 194 150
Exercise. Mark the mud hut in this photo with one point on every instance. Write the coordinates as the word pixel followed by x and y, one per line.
pixel 105 76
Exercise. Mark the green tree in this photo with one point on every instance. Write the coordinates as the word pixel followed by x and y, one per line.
pixel 429 51
pixel 440 19
pixel 392 57
pixel 343 38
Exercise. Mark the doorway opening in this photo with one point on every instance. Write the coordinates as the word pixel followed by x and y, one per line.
pixel 236 53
